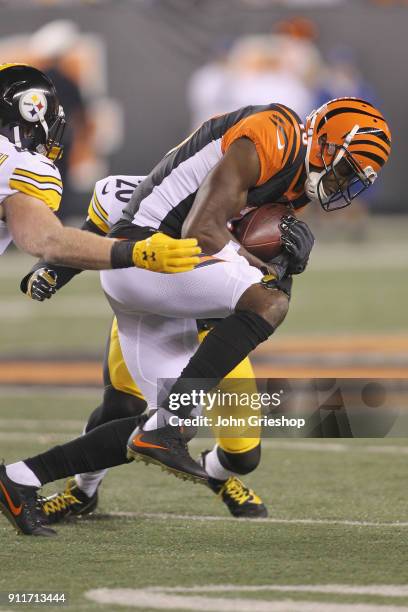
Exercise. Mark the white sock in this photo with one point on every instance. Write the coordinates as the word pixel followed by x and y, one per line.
pixel 21 474
pixel 151 422
pixel 214 468
pixel 88 483
pixel 160 418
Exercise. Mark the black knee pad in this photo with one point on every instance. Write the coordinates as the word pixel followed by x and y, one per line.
pixel 115 405
pixel 240 463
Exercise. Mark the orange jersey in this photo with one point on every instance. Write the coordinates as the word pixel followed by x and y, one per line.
pixel 165 197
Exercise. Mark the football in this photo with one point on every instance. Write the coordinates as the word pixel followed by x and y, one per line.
pixel 258 230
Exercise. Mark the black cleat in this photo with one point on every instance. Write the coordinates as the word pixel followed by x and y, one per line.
pixel 167 448
pixel 69 503
pixel 241 501
pixel 19 504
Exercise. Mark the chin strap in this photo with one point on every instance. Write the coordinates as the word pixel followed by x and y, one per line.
pixel 314 185
pixel 16 135
pixel 41 148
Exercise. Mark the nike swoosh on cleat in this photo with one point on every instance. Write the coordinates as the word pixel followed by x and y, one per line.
pixel 14 509
pixel 137 441
pixel 104 190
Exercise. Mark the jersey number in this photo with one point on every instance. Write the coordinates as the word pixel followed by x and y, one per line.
pixel 124 195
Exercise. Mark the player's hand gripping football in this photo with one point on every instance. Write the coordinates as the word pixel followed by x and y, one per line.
pixel 42 284
pixel 161 253
pixel 298 241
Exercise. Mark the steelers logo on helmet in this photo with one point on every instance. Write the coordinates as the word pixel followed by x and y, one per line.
pixel 33 105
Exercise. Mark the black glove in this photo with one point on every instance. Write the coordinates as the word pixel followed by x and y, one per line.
pixel 42 284
pixel 297 240
pixel 277 266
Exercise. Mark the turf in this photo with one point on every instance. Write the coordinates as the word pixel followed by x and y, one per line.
pixel 357 484
pixel 346 290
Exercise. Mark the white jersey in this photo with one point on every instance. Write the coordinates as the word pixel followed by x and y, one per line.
pixel 30 173
pixel 110 196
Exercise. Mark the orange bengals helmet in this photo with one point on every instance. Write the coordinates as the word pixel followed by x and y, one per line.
pixel 348 140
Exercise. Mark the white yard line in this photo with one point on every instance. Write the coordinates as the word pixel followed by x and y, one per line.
pixel 381 590
pixel 163 516
pixel 162 600
pixel 295 445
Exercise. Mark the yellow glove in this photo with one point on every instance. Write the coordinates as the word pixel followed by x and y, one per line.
pixel 160 253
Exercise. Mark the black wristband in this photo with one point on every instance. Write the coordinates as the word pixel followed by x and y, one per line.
pixel 122 254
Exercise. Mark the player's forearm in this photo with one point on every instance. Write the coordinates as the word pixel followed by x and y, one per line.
pixel 37 231
pixel 207 220
pixel 252 259
pixel 78 249
pixel 222 195
pixel 211 238
pixel 212 235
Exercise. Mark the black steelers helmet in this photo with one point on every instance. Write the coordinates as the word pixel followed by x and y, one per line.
pixel 30 113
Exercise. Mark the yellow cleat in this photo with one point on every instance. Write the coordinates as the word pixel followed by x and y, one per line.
pixel 70 502
pixel 241 501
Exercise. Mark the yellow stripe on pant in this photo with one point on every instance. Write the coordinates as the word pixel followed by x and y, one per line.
pixel 119 375
pixel 121 380
pixel 247 384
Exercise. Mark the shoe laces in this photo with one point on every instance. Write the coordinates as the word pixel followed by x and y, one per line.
pixel 236 490
pixel 60 502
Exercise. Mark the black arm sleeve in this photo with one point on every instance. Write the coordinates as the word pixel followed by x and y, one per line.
pixel 64 273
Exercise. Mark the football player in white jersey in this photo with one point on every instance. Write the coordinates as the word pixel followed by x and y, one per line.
pixel 122 397
pixel 31 129
pixel 32 123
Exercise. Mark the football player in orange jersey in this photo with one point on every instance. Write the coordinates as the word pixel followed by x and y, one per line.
pixel 256 155
pixel 122 398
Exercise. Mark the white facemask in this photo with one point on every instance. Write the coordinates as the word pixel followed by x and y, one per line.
pixel 314 185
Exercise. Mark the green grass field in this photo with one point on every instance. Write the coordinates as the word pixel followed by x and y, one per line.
pixel 336 537
pixel 314 481
pixel 348 289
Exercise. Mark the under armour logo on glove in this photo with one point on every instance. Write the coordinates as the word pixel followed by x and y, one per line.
pixel 146 256
pixel 161 253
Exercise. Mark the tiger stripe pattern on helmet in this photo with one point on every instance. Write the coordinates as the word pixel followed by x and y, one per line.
pixel 371 145
pixel 348 130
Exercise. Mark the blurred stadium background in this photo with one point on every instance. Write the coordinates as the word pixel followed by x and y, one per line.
pixel 137 77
